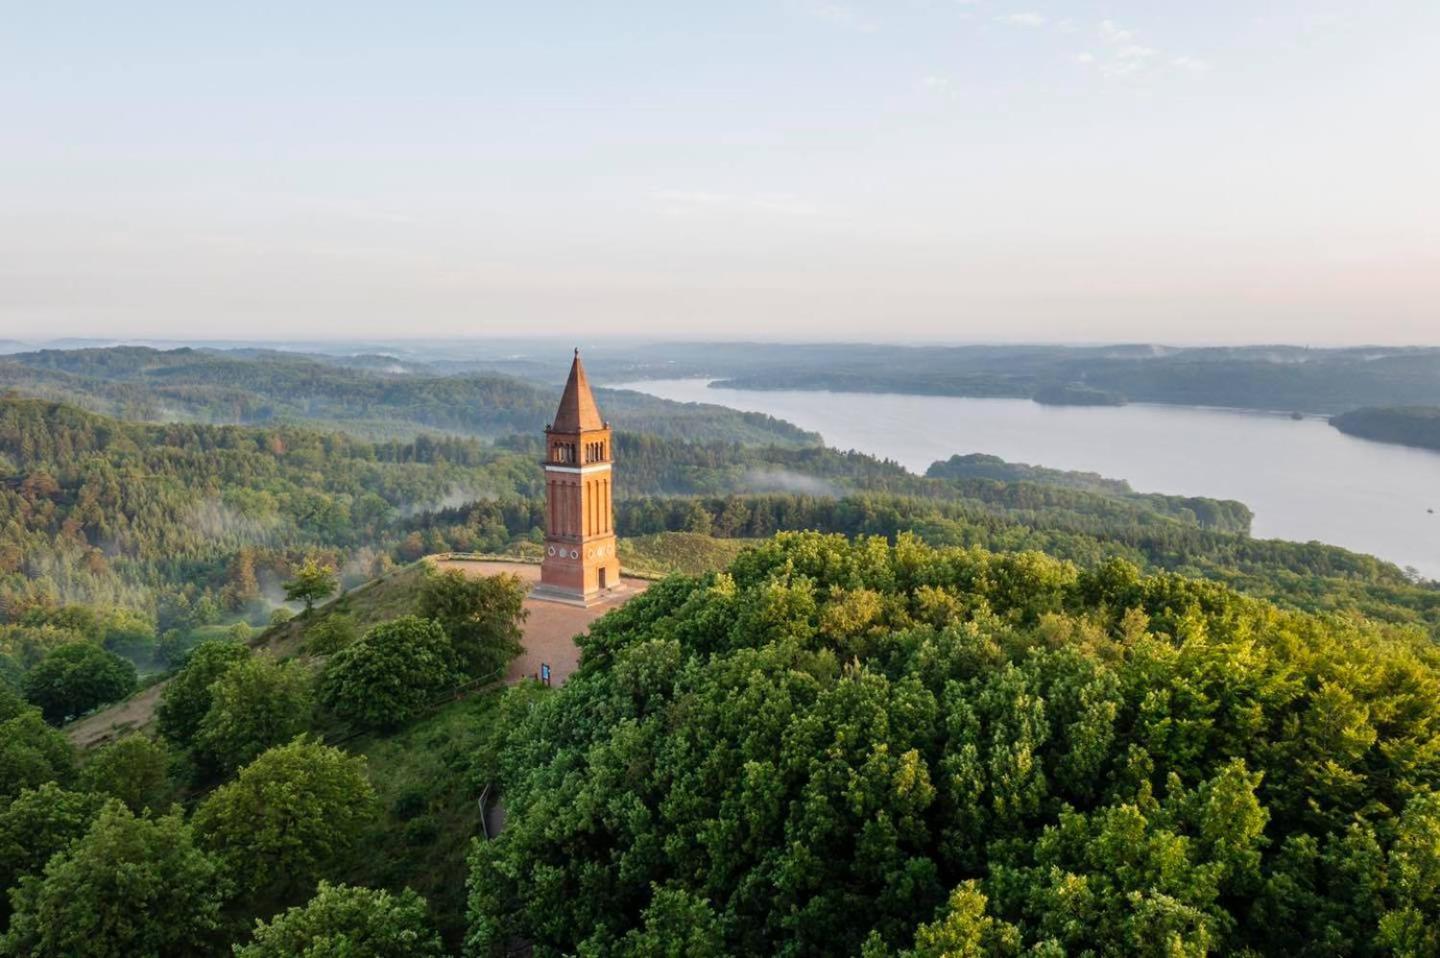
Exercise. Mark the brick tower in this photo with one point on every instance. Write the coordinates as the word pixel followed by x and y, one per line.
pixel 580 564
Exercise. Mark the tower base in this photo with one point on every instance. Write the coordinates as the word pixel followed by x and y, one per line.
pixel 583 600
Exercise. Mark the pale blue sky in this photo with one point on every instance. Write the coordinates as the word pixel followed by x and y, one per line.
pixel 916 169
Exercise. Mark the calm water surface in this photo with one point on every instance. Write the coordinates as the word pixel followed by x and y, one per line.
pixel 1304 480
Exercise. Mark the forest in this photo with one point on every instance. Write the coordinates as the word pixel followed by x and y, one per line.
pixel 175 530
pixel 366 399
pixel 993 709
pixel 1417 426
pixel 843 746
pixel 1282 378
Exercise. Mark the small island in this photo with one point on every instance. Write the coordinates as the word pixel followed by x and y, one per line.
pixel 1417 426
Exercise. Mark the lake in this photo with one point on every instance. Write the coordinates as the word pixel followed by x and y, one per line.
pixel 1304 479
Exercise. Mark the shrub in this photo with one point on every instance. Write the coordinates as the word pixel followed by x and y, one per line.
pixel 331 634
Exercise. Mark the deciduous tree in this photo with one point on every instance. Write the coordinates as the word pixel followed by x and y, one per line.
pixel 312 583
pixel 481 614
pixel 346 922
pixel 187 696
pixel 135 770
pixel 130 886
pixel 254 705
pixel 290 818
pixel 391 674
pixel 76 678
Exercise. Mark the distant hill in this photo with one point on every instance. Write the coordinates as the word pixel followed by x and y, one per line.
pixel 1281 378
pixel 1406 425
pixel 376 397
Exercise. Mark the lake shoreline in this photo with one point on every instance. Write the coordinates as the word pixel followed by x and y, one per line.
pixel 1305 480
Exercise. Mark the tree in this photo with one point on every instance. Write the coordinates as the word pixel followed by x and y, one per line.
pixel 482 615
pixel 76 678
pixel 37 824
pixel 254 705
pixel 808 753
pixel 135 770
pixel 312 583
pixel 290 818
pixel 130 886
pixel 330 634
pixel 11 704
pixel 965 930
pixel 346 922
pixel 187 696
pixel 391 674
pixel 32 753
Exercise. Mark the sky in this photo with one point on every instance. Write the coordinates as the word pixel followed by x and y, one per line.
pixel 906 170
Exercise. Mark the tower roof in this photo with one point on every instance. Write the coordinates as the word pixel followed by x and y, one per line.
pixel 577 411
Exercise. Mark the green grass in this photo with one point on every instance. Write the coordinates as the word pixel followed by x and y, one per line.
pixel 689 553
pixel 426 776
pixel 380 600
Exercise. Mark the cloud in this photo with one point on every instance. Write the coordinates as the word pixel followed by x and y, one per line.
pixel 1122 56
pixel 1110 32
pixel 1028 19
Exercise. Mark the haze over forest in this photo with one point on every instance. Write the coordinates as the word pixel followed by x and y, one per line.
pixel 996 513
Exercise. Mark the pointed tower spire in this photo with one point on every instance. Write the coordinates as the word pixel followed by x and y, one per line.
pixel 577 411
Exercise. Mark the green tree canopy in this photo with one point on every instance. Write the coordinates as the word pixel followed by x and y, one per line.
pixel 290 818
pixel 135 770
pixel 38 823
pixel 843 747
pixel 346 922
pixel 32 753
pixel 330 634
pixel 187 696
pixel 481 614
pixel 391 674
pixel 312 583
pixel 129 886
pixel 11 704
pixel 254 705
pixel 76 678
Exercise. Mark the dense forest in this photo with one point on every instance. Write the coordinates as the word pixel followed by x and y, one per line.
pixel 1278 378
pixel 274 804
pixel 848 747
pixel 994 709
pixel 184 527
pixel 1407 425
pixel 368 399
